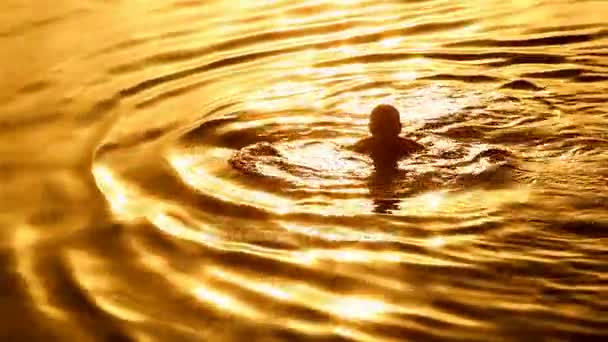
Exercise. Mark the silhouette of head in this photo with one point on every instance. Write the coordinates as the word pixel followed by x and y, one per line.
pixel 385 122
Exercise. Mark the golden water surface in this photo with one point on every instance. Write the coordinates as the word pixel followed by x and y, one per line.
pixel 176 171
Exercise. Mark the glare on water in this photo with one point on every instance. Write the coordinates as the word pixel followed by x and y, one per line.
pixel 184 170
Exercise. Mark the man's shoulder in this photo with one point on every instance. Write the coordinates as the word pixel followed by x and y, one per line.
pixel 363 145
pixel 410 145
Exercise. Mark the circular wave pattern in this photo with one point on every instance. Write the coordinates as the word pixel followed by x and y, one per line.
pixel 237 210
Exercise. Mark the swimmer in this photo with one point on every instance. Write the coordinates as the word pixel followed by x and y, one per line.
pixel 385 146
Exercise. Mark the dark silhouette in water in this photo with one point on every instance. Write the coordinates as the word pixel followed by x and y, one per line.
pixel 385 147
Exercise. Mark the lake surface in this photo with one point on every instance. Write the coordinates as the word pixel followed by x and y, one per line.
pixel 177 171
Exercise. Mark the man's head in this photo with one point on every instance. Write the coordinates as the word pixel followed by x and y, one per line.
pixel 385 122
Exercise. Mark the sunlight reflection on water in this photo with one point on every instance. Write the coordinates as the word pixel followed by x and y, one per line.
pixel 187 174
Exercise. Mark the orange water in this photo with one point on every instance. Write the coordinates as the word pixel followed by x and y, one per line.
pixel 138 202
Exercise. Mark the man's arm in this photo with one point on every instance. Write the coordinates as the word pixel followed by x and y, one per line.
pixel 361 146
pixel 411 146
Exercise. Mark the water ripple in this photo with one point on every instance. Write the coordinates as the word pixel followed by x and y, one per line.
pixel 186 174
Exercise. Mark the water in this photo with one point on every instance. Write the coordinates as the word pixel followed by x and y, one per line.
pixel 176 171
